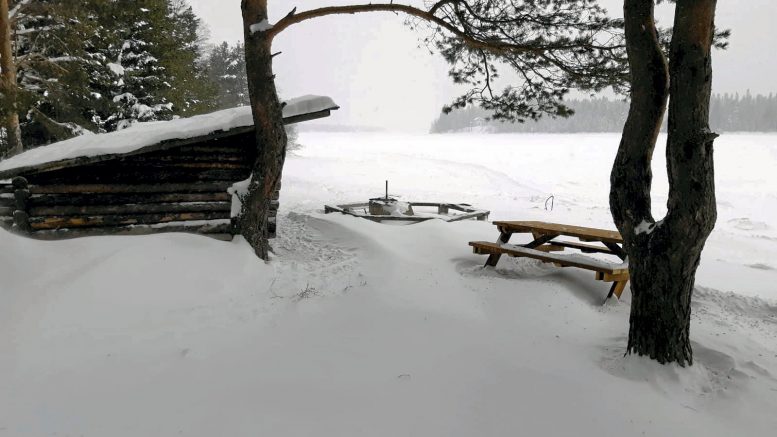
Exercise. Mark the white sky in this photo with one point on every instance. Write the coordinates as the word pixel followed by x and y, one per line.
pixel 372 65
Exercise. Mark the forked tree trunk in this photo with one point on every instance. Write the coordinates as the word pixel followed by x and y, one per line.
pixel 8 87
pixel 270 133
pixel 664 256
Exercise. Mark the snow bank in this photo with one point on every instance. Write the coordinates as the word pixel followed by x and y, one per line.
pixel 357 328
pixel 141 135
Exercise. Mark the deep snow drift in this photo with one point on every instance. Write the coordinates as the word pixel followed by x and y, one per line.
pixel 358 328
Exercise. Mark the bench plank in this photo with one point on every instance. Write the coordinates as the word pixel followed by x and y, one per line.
pixel 486 248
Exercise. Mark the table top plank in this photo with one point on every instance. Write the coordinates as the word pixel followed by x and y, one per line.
pixel 584 233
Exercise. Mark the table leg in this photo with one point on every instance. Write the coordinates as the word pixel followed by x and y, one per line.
pixel 617 289
pixel 617 250
pixel 539 241
pixel 493 259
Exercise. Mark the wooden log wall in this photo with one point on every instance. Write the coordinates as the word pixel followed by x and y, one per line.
pixel 181 189
pixel 66 211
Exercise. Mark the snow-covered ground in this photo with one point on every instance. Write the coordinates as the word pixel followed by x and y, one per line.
pixel 362 329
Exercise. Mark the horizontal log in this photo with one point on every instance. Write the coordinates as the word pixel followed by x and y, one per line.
pixel 152 208
pixel 7 202
pixel 216 229
pixel 209 150
pixel 7 211
pixel 202 157
pixel 204 187
pixel 58 222
pixel 139 175
pixel 6 189
pixel 125 199
pixel 6 222
pixel 155 165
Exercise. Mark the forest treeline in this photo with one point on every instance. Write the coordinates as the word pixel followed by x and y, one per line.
pixel 101 65
pixel 728 113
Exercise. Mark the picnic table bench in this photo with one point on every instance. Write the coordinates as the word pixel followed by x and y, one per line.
pixel 546 243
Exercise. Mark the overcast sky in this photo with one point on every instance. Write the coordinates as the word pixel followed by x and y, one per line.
pixel 372 65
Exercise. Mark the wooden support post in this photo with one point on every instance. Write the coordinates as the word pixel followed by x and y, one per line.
pixel 442 209
pixel 272 227
pixel 21 216
pixel 493 259
pixel 616 249
pixel 617 289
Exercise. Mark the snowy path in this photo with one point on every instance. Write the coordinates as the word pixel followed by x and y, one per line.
pixel 359 329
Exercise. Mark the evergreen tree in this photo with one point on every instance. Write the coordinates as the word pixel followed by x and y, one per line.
pixel 182 58
pixel 141 91
pixel 728 113
pixel 101 65
pixel 227 69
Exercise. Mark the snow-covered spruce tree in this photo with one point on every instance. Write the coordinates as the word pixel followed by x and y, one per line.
pixel 10 138
pixel 142 81
pixel 182 57
pixel 47 56
pixel 553 45
pixel 99 64
pixel 227 69
pixel 226 66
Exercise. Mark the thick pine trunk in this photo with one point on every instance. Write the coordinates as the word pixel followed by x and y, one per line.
pixel 270 132
pixel 664 256
pixel 10 115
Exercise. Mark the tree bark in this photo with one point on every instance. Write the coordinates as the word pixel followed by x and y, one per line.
pixel 270 132
pixel 8 87
pixel 664 256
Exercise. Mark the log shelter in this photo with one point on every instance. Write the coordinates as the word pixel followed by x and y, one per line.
pixel 176 177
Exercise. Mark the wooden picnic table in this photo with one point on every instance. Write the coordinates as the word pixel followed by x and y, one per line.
pixel 546 242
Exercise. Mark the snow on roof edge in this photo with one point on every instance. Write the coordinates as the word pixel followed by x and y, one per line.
pixel 142 135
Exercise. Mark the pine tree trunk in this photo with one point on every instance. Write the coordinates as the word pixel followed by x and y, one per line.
pixel 663 257
pixel 10 116
pixel 270 133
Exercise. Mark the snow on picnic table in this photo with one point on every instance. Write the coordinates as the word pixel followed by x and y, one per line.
pixel 141 135
pixel 361 329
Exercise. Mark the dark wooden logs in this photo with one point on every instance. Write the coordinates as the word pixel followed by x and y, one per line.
pixel 221 231
pixel 105 174
pixel 202 187
pixel 124 199
pixel 57 222
pixel 152 208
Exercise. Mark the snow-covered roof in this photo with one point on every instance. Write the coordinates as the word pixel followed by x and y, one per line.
pixel 143 135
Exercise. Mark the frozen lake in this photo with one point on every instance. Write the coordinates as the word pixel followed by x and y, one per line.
pixel 514 175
